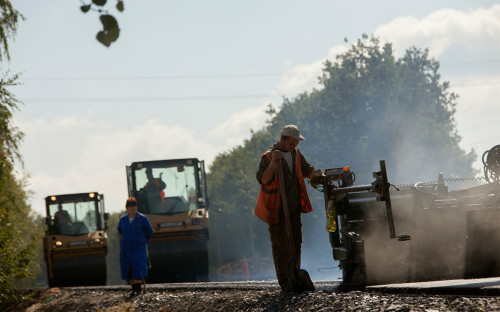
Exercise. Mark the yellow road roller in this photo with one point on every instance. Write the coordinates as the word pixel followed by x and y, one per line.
pixel 173 195
pixel 75 241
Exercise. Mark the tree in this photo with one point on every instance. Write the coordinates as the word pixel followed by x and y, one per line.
pixel 110 30
pixel 17 231
pixel 15 224
pixel 371 106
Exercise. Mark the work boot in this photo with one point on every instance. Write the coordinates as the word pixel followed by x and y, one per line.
pixel 131 294
pixel 286 289
pixel 136 288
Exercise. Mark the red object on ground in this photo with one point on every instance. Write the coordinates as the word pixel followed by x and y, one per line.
pixel 244 269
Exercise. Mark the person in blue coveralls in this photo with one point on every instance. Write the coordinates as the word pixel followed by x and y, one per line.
pixel 135 231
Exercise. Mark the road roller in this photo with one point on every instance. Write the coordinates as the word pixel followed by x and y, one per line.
pixel 173 195
pixel 75 241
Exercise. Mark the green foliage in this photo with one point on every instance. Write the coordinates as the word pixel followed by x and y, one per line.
pixel 9 18
pixel 120 6
pixel 371 106
pixel 17 231
pixel 34 228
pixel 99 2
pixel 110 31
pixel 15 249
pixel 85 8
pixel 9 135
pixel 17 235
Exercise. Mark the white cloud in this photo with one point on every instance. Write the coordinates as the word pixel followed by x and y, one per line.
pixel 438 31
pixel 478 117
pixel 479 95
pixel 237 127
pixel 441 29
pixel 304 77
pixel 300 78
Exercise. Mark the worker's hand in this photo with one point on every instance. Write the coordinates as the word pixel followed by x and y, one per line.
pixel 275 156
pixel 317 178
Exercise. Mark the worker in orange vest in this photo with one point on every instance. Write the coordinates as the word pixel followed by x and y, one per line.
pixel 154 191
pixel 295 168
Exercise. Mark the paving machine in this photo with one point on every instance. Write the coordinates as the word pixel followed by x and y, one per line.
pixel 449 234
pixel 173 195
pixel 75 241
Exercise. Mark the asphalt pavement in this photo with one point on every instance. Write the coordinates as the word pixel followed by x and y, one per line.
pixel 478 287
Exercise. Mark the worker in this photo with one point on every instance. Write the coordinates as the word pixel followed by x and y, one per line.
pixel 154 185
pixel 295 168
pixel 62 220
pixel 153 189
pixel 135 231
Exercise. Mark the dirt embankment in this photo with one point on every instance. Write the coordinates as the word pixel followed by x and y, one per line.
pixel 116 300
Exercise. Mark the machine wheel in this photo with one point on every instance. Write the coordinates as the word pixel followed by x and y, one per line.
pixel 482 253
pixel 354 267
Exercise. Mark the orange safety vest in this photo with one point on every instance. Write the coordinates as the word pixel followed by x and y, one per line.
pixel 269 200
pixel 161 193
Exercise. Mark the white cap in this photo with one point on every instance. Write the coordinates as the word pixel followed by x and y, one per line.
pixel 293 131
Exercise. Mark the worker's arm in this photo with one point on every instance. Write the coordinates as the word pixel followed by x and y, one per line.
pixel 268 174
pixel 162 185
pixel 307 169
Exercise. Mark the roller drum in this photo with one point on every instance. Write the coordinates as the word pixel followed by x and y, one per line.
pixel 178 261
pixel 78 271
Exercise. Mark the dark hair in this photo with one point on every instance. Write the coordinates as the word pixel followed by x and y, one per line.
pixel 131 201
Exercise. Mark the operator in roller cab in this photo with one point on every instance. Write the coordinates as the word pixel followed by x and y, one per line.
pixel 172 195
pixel 75 242
pixel 62 220
pixel 152 193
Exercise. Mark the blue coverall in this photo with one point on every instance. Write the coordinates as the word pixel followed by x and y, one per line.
pixel 133 246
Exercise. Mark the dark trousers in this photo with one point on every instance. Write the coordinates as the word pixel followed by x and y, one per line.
pixel 283 261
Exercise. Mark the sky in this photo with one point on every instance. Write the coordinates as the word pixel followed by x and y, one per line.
pixel 193 78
